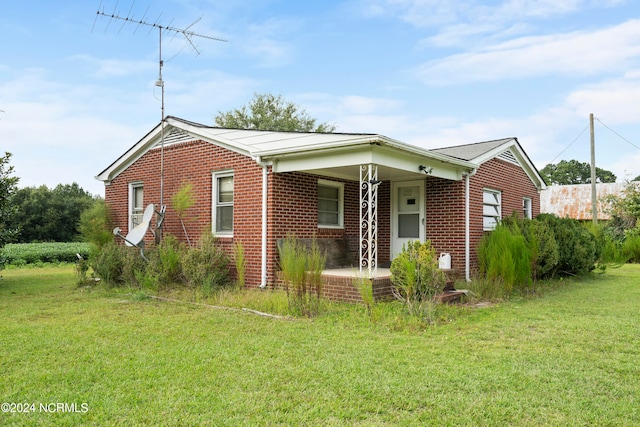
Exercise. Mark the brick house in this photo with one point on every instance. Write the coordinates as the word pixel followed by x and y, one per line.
pixel 366 194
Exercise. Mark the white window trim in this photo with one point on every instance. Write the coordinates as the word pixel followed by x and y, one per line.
pixel 214 202
pixel 340 187
pixel 528 214
pixel 499 217
pixel 132 186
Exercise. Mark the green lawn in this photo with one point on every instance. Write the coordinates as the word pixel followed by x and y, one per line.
pixel 569 358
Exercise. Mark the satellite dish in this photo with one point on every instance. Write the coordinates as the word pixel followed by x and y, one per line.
pixel 148 214
pixel 135 236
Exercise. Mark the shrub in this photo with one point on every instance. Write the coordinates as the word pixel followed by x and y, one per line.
pixel 165 262
pixel 505 258
pixel 206 265
pixel 134 267
pixel 576 245
pixel 417 279
pixel 631 248
pixel 170 263
pixel 108 264
pixel 608 245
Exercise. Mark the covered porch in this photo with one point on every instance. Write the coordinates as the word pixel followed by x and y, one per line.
pixel 374 162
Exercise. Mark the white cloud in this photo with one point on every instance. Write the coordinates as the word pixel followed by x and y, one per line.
pixel 618 100
pixel 441 13
pixel 571 54
pixel 514 9
pixel 269 42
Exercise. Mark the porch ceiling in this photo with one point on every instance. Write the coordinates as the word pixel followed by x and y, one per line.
pixel 392 164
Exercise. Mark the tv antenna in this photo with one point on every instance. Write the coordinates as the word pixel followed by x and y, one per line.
pixel 186 32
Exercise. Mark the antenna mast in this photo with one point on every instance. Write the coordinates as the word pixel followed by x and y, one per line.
pixel 188 35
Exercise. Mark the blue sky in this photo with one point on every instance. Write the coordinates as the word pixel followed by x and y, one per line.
pixel 77 89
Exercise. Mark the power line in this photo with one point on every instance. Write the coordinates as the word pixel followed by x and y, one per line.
pixel 618 135
pixel 572 142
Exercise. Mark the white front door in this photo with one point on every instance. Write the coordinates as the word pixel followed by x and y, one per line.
pixel 408 214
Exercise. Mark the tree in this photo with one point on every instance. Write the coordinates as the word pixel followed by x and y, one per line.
pixel 574 172
pixel 181 202
pixel 269 112
pixel 50 215
pixel 8 187
pixel 624 210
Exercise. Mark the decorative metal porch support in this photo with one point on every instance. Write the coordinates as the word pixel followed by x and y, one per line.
pixel 369 220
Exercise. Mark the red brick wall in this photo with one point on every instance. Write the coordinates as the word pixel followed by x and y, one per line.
pixel 445 218
pixel 291 208
pixel 446 206
pixel 294 209
pixel 292 203
pixel 194 162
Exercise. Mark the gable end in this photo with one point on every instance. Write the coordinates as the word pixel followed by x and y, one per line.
pixel 508 156
pixel 175 136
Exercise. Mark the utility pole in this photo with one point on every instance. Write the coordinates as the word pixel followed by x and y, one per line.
pixel 594 198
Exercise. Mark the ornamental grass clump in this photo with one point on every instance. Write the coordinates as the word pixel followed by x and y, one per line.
pixel 241 264
pixel 505 258
pixel 301 269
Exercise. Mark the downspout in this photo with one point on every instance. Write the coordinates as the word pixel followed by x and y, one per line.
pixel 263 268
pixel 467 238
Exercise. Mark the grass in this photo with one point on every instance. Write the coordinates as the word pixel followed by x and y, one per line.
pixel 569 357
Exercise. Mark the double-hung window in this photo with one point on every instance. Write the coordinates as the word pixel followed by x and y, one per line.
pixel 491 209
pixel 526 208
pixel 330 204
pixel 223 203
pixel 136 204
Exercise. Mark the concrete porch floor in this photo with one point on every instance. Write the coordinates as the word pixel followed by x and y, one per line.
pixel 353 272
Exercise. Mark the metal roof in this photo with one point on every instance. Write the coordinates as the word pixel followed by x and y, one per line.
pixel 574 201
pixel 272 145
pixel 324 152
pixel 470 152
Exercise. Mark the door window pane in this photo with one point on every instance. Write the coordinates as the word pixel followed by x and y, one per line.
pixel 409 226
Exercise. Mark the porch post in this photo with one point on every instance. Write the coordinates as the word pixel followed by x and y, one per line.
pixel 369 220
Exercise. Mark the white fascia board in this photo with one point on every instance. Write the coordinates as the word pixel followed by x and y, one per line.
pixel 362 143
pixel 153 138
pixel 380 155
pixel 129 157
pixel 386 156
pixel 322 160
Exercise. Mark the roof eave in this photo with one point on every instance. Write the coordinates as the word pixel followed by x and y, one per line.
pixel 365 141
